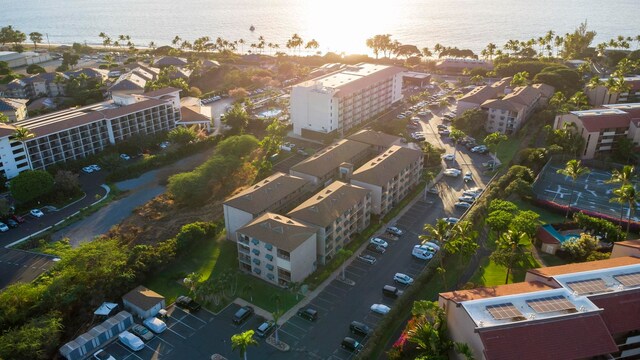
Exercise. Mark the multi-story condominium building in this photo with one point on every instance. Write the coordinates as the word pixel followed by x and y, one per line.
pixel 277 249
pixel 508 114
pixel 13 108
pixel 75 133
pixel 379 141
pixel 277 193
pixel 457 65
pixel 474 98
pixel 600 95
pixel 390 176
pixel 332 104
pixel 337 212
pixel 35 86
pixel 576 311
pixel 91 73
pixel 602 128
pixel 324 166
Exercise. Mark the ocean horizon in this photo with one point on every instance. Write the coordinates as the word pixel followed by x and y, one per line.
pixel 338 26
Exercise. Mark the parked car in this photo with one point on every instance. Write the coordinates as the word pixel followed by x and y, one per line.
pixel 379 242
pixel 448 157
pixel 95 167
pixel 156 325
pixel 265 328
pixel 380 309
pixel 391 291
pixel 403 279
pixel 421 252
pixel 308 313
pixel 87 169
pixel 12 223
pixel 102 355
pixel 444 132
pixel 367 258
pixel 441 127
pixel 467 176
pixel 125 157
pixel 467 198
pixel 394 231
pixel 131 341
pixel 242 315
pixel 141 332
pixel 481 149
pixel 19 219
pixel 433 191
pixel 358 328
pixel 351 344
pixel 452 172
pixel 187 303
pixel 462 205
pixel 451 220
pixel 376 248
pixel 36 212
pixel 433 245
pixel 475 192
pixel 3 227
pixel 164 144
pixel 489 164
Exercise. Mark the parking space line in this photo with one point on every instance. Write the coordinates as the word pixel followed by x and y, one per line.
pixel 327 292
pixel 147 346
pixel 333 286
pixel 180 321
pixel 169 328
pixel 165 341
pixel 202 321
pixel 352 274
pixel 322 307
pixel 296 326
pixel 288 333
pixel 330 302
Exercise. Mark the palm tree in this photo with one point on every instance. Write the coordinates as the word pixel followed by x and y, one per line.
pixel 312 44
pixel 426 52
pixel 242 341
pixel 626 194
pixel 276 317
pixel 176 40
pixel 152 45
pixel 22 134
pixel 510 250
pixel 493 140
pixel 241 42
pixel 622 176
pixel 36 38
pixel 456 135
pixel 439 232
pixel 574 170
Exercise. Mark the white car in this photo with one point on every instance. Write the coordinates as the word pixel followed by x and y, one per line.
pixel 102 355
pixel 87 169
pixel 403 279
pixel 468 176
pixel 95 167
pixel 462 205
pixel 156 325
pixel 36 212
pixel 400 116
pixel 380 309
pixel 3 227
pixel 432 245
pixel 125 157
pixel 164 144
pixel 475 192
pixel 451 220
pixel 394 230
pixel 467 199
pixel 422 252
pixel 452 172
pixel 131 341
pixel 379 242
pixel 479 149
pixel 448 157
pixel 367 258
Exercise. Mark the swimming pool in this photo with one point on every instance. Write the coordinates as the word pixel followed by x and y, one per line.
pixel 561 238
pixel 269 113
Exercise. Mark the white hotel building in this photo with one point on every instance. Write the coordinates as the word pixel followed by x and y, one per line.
pixel 75 133
pixel 334 103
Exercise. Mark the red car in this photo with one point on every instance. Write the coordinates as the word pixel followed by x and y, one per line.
pixel 18 218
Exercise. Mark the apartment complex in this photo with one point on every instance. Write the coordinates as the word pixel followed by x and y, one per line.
pixel 600 95
pixel 76 133
pixel 506 115
pixel 324 166
pixel 273 194
pixel 476 97
pixel 14 109
pixel 390 177
pixel 378 141
pixel 35 86
pixel 337 212
pixel 603 128
pixel 332 104
pixel 277 249
pixel 576 311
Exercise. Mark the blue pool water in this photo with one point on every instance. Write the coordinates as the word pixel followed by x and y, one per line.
pixel 269 113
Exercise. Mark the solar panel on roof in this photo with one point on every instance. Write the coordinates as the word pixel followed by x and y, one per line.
pixel 504 311
pixel 631 279
pixel 551 304
pixel 591 286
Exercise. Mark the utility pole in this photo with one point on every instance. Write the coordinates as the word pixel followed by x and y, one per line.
pixel 48 42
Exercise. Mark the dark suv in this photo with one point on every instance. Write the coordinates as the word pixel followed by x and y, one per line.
pixel 188 303
pixel 308 313
pixel 356 327
pixel 243 314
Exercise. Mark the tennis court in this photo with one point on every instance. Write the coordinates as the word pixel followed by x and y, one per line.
pixel 590 192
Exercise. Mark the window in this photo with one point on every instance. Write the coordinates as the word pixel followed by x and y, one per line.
pixel 256 261
pixel 270 267
pixel 256 252
pixel 257 271
pixel 268 246
pixel 269 257
pixel 270 276
pixel 255 241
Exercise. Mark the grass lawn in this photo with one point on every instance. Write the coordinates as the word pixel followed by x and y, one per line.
pixel 546 216
pixel 212 259
pixel 508 149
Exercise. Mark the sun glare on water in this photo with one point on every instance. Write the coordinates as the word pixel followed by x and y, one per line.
pixel 344 25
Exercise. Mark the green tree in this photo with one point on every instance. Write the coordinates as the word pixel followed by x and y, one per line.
pixel 439 232
pixel 526 222
pixel 187 188
pixel 574 170
pixel 37 339
pixel 520 79
pixel 182 135
pixel 510 250
pixel 36 38
pixel 493 141
pixel 504 205
pixel 242 341
pixel 22 134
pixel 499 221
pixel 626 194
pixel 276 318
pixel 270 143
pixel 237 118
pixel 622 176
pixel 580 248
pixel 67 182
pixel 576 43
pixel 456 135
pixel 31 184
pixel 237 146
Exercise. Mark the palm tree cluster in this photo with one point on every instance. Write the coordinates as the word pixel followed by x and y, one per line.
pixel 626 194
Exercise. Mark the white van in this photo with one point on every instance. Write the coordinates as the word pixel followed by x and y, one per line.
pixel 131 341
pixel 156 325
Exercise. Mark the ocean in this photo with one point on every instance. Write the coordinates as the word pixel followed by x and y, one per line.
pixel 337 25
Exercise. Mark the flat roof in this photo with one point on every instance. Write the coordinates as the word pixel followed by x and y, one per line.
pixel 330 158
pixel 376 138
pixel 459 296
pixel 324 207
pixel 386 166
pixel 600 281
pixel 553 271
pixel 278 230
pixel 259 197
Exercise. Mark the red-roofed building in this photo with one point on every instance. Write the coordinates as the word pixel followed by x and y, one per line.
pixel 338 101
pixel 626 248
pixel 602 128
